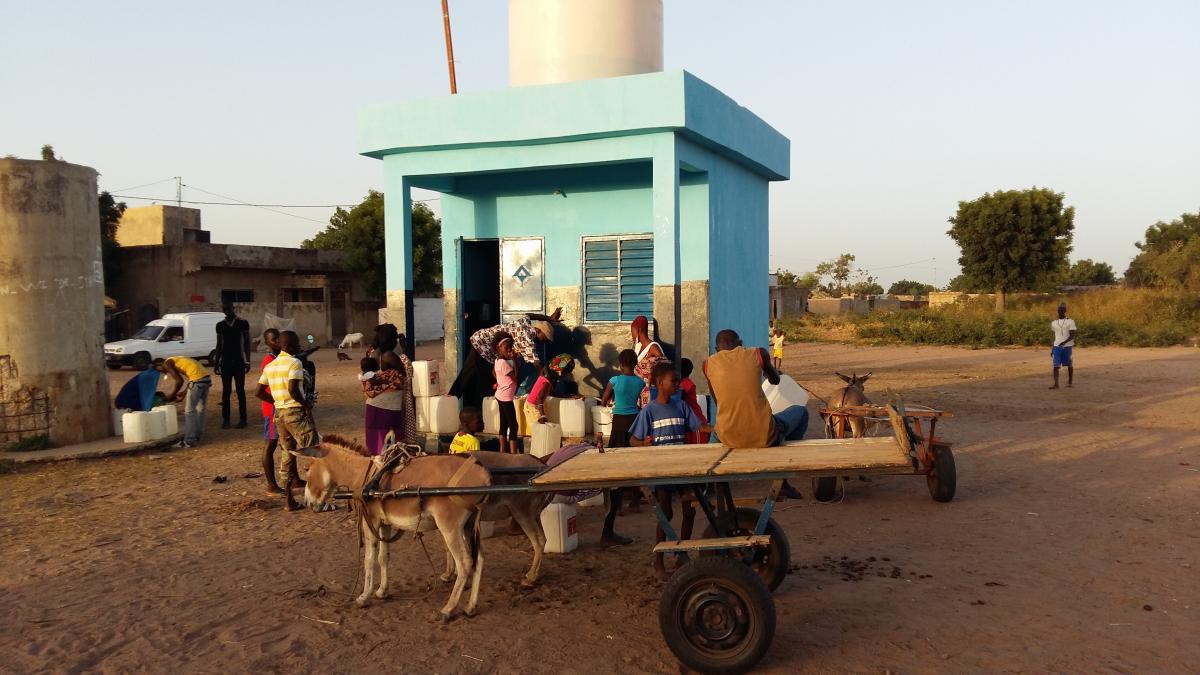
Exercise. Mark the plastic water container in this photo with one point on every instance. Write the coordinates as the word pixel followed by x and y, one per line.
pixel 547 439
pixel 591 502
pixel 602 420
pixel 553 407
pixel 158 424
pixel 443 414
pixel 588 403
pixel 702 400
pixel 573 416
pixel 785 394
pixel 171 417
pixel 425 379
pixel 423 414
pixel 562 533
pixel 491 415
pixel 117 426
pixel 522 423
pixel 136 427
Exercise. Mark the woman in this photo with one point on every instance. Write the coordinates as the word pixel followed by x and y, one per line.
pixel 394 411
pixel 476 379
pixel 649 353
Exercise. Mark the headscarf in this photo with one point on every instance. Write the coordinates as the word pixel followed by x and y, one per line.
pixel 561 364
pixel 640 324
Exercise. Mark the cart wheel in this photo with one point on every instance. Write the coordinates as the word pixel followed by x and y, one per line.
pixel 825 488
pixel 941 480
pixel 771 562
pixel 717 616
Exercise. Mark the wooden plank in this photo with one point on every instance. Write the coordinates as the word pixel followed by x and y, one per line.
pixel 881 411
pixel 715 544
pixel 635 466
pixel 817 457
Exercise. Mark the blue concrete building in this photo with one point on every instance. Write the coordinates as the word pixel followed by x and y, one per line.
pixel 643 194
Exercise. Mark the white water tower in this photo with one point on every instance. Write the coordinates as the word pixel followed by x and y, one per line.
pixel 553 41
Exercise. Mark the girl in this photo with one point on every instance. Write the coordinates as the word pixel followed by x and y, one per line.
pixel 535 405
pixel 506 389
pixel 623 392
pixel 688 389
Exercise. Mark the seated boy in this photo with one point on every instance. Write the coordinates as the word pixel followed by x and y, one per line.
pixel 664 421
pixel 470 422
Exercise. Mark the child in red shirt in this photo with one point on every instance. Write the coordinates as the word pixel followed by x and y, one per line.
pixel 688 389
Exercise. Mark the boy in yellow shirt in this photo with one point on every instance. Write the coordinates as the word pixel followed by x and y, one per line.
pixel 470 422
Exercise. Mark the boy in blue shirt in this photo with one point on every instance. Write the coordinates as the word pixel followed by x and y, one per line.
pixel 664 421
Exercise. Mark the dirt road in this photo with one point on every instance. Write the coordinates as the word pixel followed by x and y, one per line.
pixel 1073 546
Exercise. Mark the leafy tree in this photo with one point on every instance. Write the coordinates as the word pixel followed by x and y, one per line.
pixel 838 270
pixel 110 215
pixel 1013 240
pixel 1088 272
pixel 906 287
pixel 48 153
pixel 1170 255
pixel 863 288
pixel 359 233
pixel 808 280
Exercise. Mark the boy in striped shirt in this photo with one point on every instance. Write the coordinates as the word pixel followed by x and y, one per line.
pixel 666 422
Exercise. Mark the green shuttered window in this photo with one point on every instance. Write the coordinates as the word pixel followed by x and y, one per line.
pixel 618 278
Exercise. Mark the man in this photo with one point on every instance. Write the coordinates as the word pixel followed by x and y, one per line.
pixel 271 340
pixel 233 362
pixel 195 395
pixel 293 415
pixel 744 418
pixel 1064 340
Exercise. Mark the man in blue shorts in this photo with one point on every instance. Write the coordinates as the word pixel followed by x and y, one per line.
pixel 1064 341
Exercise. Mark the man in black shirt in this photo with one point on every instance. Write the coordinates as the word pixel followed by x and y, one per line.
pixel 233 362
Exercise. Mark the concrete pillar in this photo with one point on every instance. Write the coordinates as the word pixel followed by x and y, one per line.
pixel 52 377
pixel 665 179
pixel 397 204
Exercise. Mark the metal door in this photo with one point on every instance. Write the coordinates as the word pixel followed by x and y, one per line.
pixel 522 276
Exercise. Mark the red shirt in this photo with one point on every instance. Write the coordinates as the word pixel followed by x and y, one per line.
pixel 689 397
pixel 268 410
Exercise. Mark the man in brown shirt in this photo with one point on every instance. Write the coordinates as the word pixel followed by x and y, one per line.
pixel 744 418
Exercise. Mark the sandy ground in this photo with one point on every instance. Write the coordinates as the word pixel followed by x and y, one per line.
pixel 1072 547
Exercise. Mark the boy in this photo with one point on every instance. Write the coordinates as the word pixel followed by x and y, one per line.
pixel 1064 340
pixel 777 340
pixel 470 422
pixel 666 422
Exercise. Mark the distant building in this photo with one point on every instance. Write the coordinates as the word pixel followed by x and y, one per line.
pixel 786 301
pixel 169 264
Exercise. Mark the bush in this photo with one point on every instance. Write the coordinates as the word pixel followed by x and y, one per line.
pixel 1126 317
pixel 29 443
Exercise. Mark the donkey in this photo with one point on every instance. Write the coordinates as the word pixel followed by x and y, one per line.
pixel 339 462
pixel 525 508
pixel 851 394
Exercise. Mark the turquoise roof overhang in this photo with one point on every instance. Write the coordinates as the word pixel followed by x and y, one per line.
pixel 620 106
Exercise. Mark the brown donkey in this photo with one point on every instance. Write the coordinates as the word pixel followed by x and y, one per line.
pixel 851 394
pixel 340 463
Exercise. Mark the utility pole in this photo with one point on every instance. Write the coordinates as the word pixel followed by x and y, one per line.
pixel 178 190
pixel 449 45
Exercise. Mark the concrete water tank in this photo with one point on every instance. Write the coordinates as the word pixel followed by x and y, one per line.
pixel 563 41
pixel 52 376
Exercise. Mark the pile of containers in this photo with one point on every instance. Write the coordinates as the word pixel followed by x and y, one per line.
pixel 141 427
pixel 436 413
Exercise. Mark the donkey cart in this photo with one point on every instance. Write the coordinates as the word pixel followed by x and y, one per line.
pixel 716 614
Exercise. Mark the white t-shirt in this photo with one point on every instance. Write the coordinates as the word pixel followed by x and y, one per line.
pixel 1062 328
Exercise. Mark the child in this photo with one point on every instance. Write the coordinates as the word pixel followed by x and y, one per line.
pixel 688 388
pixel 505 371
pixel 535 404
pixel 622 393
pixel 777 340
pixel 664 421
pixel 470 422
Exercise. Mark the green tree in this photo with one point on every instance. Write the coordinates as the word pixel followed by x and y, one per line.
pixel 1087 272
pixel 907 287
pixel 1013 240
pixel 110 215
pixel 1170 255
pixel 359 232
pixel 48 153
pixel 808 280
pixel 838 270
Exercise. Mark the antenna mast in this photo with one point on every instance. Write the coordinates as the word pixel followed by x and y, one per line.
pixel 449 45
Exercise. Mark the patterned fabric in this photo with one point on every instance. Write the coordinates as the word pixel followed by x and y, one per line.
pixel 384 380
pixel 562 363
pixel 523 335
pixel 410 402
pixel 645 366
pixel 277 374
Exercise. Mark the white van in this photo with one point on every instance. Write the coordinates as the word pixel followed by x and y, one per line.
pixel 191 334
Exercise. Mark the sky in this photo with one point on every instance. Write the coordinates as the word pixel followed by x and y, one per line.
pixel 896 111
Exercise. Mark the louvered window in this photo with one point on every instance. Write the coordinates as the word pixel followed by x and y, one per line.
pixel 618 278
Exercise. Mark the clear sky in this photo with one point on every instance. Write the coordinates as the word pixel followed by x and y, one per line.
pixel 896 110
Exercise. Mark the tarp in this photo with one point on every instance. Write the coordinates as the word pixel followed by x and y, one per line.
pixel 138 393
pixel 278 322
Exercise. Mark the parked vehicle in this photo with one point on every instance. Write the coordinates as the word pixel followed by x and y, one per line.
pixel 191 334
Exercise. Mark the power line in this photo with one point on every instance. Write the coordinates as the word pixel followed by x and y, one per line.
pixel 136 187
pixel 286 206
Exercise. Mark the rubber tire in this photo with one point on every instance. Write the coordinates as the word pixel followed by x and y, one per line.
pixel 738 584
pixel 942 480
pixel 113 366
pixel 212 358
pixel 141 361
pixel 772 563
pixel 825 488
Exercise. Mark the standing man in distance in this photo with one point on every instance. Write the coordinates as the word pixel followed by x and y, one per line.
pixel 233 362
pixel 1064 341
pixel 293 414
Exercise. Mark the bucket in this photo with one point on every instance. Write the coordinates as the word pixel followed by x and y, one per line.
pixel 573 416
pixel 443 414
pixel 491 415
pixel 172 418
pixel 562 535
pixel 784 395
pixel 602 420
pixel 547 439
pixel 135 427
pixel 425 379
